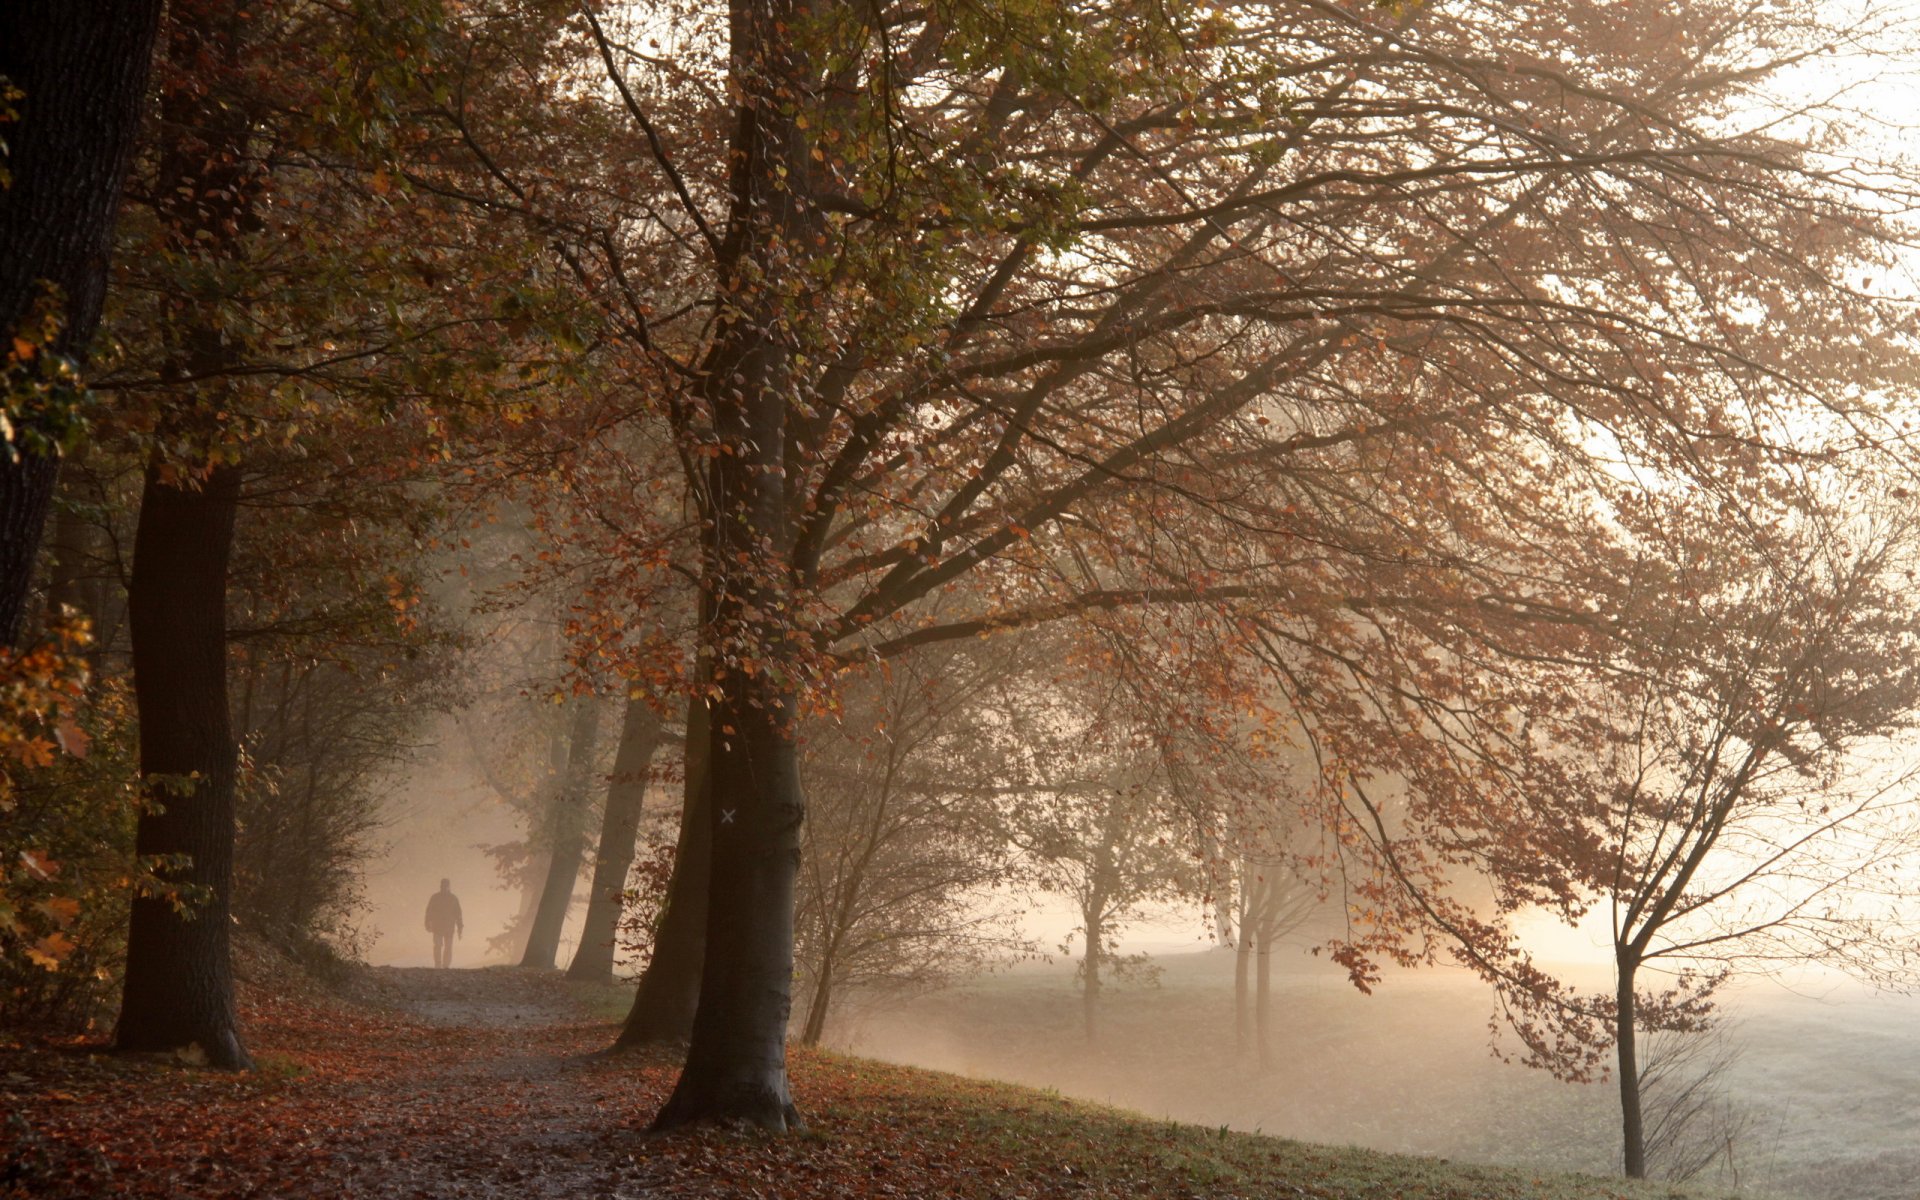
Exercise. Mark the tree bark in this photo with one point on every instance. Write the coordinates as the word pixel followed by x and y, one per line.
pixel 568 834
pixel 1632 1132
pixel 82 66
pixel 736 1066
pixel 669 991
pixel 179 980
pixel 619 829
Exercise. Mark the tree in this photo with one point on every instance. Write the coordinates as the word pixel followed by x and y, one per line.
pixel 619 833
pixel 179 978
pixel 73 84
pixel 1104 843
pixel 1275 900
pixel 903 849
pixel 253 375
pixel 669 991
pixel 1256 319
pixel 1754 813
pixel 565 834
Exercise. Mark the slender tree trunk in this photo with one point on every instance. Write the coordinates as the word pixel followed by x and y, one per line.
pixel 1263 994
pixel 179 979
pixel 68 552
pixel 1632 1133
pixel 1242 962
pixel 1094 918
pixel 82 66
pixel 619 829
pixel 1242 1002
pixel 669 991
pixel 816 1026
pixel 569 834
pixel 531 887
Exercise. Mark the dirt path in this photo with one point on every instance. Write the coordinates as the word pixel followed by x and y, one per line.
pixel 460 1083
pixel 492 998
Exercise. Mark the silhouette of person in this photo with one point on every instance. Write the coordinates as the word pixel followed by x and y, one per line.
pixel 443 921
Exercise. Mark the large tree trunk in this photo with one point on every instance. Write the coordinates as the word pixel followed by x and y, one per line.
pixel 567 837
pixel 669 991
pixel 82 66
pixel 1632 1133
pixel 179 977
pixel 736 1066
pixel 619 829
pixel 179 980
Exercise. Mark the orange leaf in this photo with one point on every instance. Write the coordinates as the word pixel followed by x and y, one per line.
pixel 73 739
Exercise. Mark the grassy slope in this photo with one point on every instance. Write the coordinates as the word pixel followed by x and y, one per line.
pixel 974 1130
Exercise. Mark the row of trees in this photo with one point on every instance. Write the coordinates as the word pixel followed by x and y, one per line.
pixel 1447 458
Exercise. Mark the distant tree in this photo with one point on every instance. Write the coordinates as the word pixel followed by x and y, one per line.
pixel 1728 785
pixel 1098 820
pixel 902 850
pixel 1756 811
pixel 1277 897
pixel 564 832
pixel 626 791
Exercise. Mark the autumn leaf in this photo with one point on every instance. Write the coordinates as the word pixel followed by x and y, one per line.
pixel 39 866
pixel 61 909
pixel 73 739
pixel 51 951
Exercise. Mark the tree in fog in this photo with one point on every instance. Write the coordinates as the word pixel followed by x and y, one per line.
pixel 1259 323
pixel 1756 812
pixel 1728 790
pixel 614 849
pixel 272 355
pixel 1098 822
pixel 903 849
pixel 1276 897
pixel 562 829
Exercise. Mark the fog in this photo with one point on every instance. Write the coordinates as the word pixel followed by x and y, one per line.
pixel 1822 1097
pixel 439 818
pixel 1820 1100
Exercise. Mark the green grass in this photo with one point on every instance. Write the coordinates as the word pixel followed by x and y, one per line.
pixel 1033 1136
pixel 601 1001
pixel 1830 1084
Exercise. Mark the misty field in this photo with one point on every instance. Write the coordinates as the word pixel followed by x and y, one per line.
pixel 1828 1078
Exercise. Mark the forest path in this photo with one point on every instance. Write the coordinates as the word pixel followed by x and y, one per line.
pixel 470 1084
pixel 482 998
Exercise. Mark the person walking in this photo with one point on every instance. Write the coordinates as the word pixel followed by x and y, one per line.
pixel 443 921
